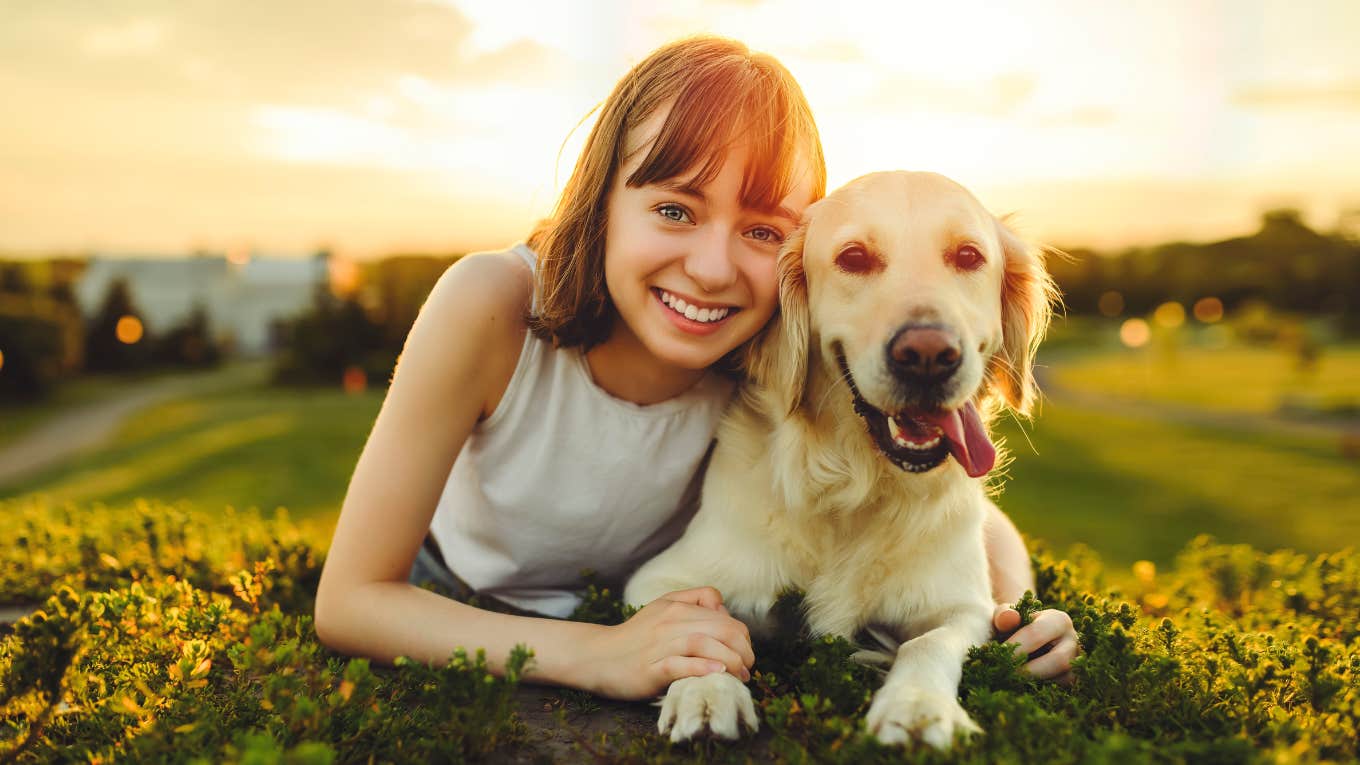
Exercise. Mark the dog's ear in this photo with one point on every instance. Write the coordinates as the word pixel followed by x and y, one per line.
pixel 778 359
pixel 1028 296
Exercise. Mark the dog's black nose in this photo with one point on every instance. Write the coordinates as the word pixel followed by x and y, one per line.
pixel 923 353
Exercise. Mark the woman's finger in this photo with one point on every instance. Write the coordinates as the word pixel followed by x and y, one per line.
pixel 672 668
pixel 1005 618
pixel 708 597
pixel 726 629
pixel 700 645
pixel 1047 627
pixel 1056 662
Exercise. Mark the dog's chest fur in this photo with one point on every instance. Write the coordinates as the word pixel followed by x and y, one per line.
pixel 866 542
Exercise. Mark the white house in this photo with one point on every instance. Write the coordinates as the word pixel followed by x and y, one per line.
pixel 243 295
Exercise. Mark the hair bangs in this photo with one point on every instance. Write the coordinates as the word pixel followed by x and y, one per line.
pixel 724 105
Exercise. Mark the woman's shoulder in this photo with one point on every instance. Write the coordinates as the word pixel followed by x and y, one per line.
pixel 490 280
pixel 476 311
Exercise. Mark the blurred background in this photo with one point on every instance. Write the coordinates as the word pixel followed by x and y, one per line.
pixel 218 221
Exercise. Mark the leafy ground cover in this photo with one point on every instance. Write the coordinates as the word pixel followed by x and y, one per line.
pixel 168 635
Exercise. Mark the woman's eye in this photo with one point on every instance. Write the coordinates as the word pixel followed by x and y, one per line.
pixel 673 212
pixel 767 234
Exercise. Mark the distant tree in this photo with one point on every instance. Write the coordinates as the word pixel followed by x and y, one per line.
pixel 189 343
pixel 14 279
pixel 104 351
pixel 32 348
pixel 335 335
pixel 62 293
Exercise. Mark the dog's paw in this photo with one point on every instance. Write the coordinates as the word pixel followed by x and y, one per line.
pixel 716 702
pixel 901 715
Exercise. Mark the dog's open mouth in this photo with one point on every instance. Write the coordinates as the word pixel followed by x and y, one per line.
pixel 919 441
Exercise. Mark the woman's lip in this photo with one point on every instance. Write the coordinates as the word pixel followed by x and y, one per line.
pixel 690 326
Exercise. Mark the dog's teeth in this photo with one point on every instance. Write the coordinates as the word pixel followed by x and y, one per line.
pixel 895 430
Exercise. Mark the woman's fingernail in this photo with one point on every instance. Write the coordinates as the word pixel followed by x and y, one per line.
pixel 714 666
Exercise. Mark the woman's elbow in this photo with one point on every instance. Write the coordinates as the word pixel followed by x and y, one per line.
pixel 327 617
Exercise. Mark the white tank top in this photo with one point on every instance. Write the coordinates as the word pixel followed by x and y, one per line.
pixel 563 477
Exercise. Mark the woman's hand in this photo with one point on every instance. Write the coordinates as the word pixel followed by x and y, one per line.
pixel 681 634
pixel 1050 633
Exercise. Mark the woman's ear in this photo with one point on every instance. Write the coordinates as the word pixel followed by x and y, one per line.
pixel 778 359
pixel 1028 296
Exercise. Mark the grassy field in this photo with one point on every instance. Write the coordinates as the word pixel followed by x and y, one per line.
pixel 1128 488
pixel 1235 379
pixel 261 446
pixel 1136 489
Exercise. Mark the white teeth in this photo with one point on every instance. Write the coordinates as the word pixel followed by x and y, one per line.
pixel 692 312
pixel 895 431
pixel 899 437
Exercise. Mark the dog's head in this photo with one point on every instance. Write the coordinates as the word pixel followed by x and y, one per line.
pixel 923 302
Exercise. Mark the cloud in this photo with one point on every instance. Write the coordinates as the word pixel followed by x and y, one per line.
pixel 997 96
pixel 1086 116
pixel 137 36
pixel 307 51
pixel 1338 95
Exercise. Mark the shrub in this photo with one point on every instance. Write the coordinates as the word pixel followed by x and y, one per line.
pixel 165 636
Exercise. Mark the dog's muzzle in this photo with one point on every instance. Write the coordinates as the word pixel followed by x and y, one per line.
pixel 922 358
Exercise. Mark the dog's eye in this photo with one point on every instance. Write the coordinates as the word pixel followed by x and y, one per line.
pixel 967 258
pixel 857 260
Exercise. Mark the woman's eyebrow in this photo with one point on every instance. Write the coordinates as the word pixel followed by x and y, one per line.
pixel 786 213
pixel 682 187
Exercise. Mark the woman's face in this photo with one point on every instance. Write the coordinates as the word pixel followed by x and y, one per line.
pixel 691 271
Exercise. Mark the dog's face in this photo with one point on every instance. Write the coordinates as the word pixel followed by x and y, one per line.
pixel 923 301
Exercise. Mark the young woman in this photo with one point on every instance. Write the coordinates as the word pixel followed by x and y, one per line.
pixel 554 402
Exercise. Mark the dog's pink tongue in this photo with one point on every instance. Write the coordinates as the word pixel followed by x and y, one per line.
pixel 968 440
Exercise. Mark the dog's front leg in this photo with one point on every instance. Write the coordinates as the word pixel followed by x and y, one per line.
pixel 919 700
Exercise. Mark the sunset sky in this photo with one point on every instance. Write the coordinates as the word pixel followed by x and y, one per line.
pixel 375 126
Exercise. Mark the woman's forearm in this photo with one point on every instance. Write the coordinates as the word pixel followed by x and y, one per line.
pixel 383 620
pixel 1007 559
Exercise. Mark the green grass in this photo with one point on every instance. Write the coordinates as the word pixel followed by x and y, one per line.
pixel 1234 379
pixel 1136 489
pixel 166 635
pixel 255 447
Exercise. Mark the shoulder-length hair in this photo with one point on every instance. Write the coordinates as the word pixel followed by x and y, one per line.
pixel 719 92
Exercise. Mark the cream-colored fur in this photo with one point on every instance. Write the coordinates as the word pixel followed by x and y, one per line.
pixel 799 496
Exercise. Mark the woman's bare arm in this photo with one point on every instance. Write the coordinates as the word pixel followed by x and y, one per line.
pixel 455 365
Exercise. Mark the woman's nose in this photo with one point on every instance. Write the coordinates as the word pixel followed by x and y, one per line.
pixel 710 263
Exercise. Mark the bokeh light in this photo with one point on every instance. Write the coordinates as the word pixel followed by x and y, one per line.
pixel 1111 304
pixel 1208 310
pixel 2 359
pixel 129 330
pixel 1134 333
pixel 354 381
pixel 1170 315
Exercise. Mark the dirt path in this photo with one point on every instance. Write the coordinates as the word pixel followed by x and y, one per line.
pixel 87 427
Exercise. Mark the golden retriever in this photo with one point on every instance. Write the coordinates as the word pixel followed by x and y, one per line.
pixel 851 465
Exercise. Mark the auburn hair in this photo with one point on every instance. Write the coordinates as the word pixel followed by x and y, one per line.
pixel 719 92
